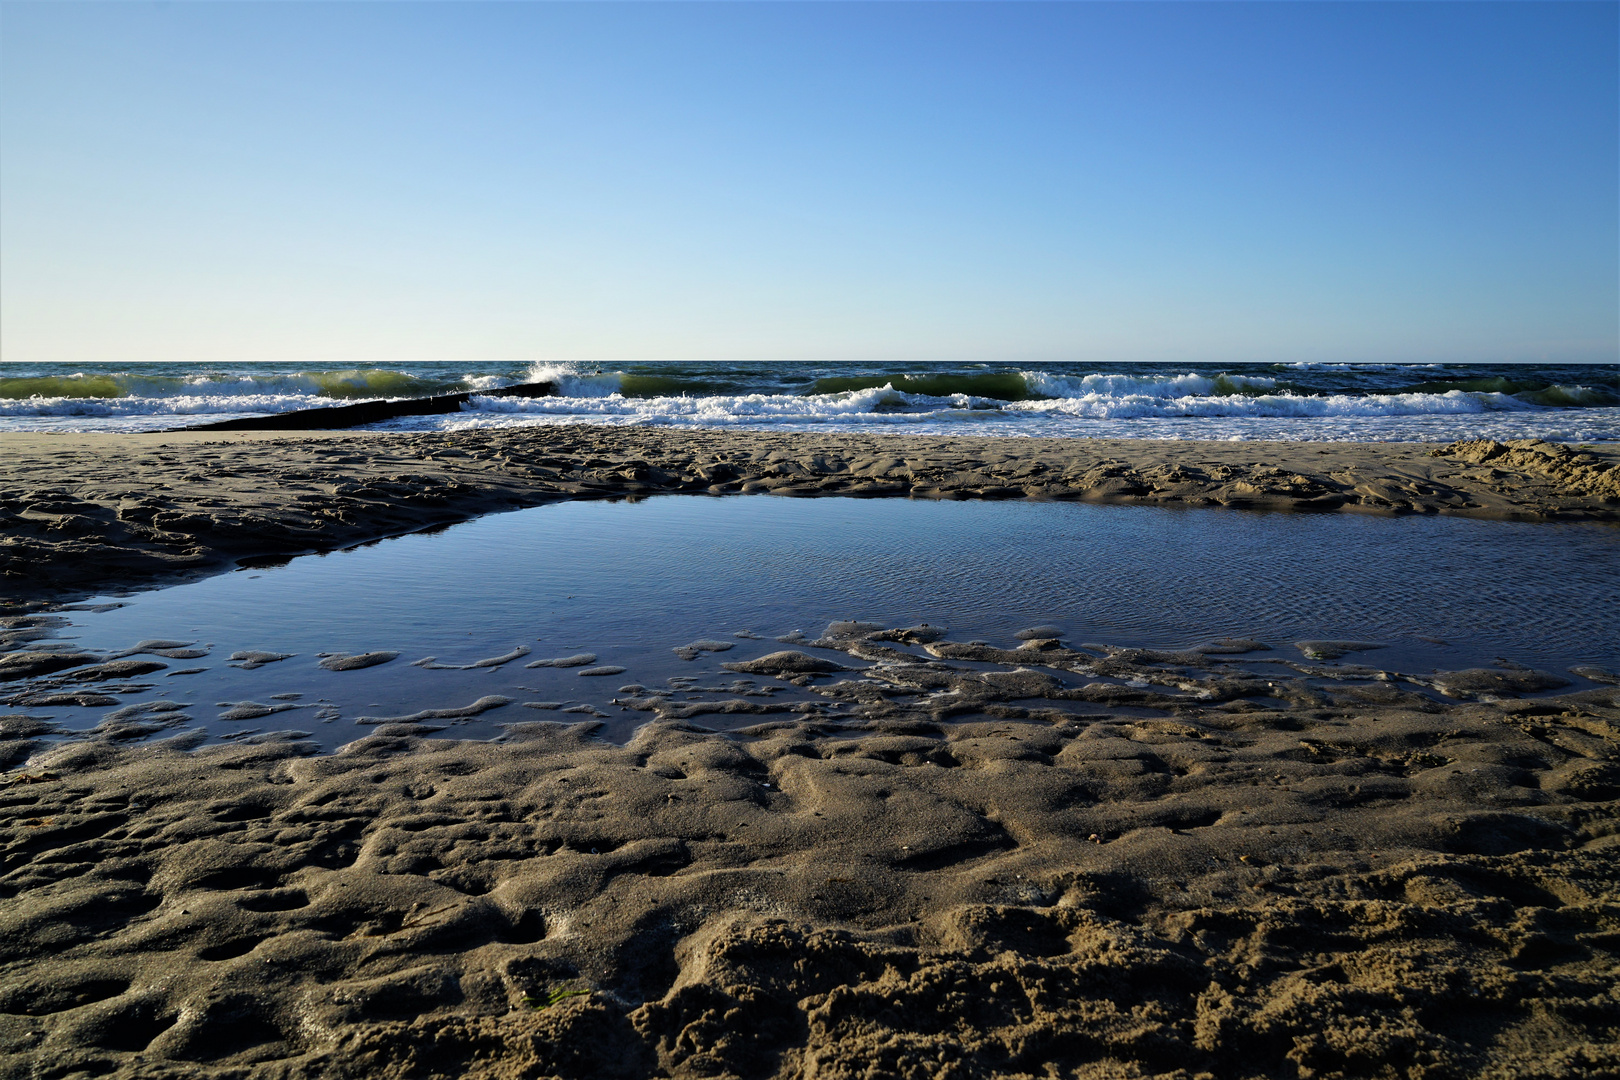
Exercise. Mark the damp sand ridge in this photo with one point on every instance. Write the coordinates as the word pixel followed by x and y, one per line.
pixel 83 513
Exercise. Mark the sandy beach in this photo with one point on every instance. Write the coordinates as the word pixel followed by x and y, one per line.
pixel 1051 859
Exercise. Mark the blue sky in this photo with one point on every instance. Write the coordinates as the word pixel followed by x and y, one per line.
pixel 1094 182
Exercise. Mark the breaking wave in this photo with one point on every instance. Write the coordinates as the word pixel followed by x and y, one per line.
pixel 1425 402
pixel 887 403
pixel 347 384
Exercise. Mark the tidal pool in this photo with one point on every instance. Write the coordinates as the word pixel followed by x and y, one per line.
pixel 630 582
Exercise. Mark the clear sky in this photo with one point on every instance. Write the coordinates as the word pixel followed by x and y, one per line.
pixel 1093 181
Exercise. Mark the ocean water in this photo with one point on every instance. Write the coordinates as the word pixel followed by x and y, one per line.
pixel 630 582
pixel 1337 402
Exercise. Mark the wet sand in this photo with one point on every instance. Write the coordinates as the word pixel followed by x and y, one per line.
pixel 1051 860
pixel 85 513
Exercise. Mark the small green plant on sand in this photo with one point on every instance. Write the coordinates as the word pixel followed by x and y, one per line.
pixel 552 997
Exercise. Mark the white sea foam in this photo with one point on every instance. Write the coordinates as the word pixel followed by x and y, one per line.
pixel 574 381
pixel 1429 417
pixel 1185 385
pixel 167 405
pixel 713 409
pixel 1284 404
pixel 1594 426
pixel 1315 365
pixel 880 404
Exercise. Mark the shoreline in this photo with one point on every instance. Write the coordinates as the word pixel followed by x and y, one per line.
pixel 85 513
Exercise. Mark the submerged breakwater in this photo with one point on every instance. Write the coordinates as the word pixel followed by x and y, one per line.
pixel 1335 402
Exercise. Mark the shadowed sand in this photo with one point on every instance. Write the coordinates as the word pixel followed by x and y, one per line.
pixel 1055 860
pixel 82 513
pixel 1189 870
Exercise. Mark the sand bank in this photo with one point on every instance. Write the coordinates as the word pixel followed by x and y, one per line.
pixel 1188 866
pixel 82 513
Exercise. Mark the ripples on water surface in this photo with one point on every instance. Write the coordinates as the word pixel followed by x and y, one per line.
pixel 630 581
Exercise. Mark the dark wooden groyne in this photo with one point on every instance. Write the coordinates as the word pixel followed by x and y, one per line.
pixel 369 412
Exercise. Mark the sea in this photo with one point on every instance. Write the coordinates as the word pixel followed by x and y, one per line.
pixel 1274 401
